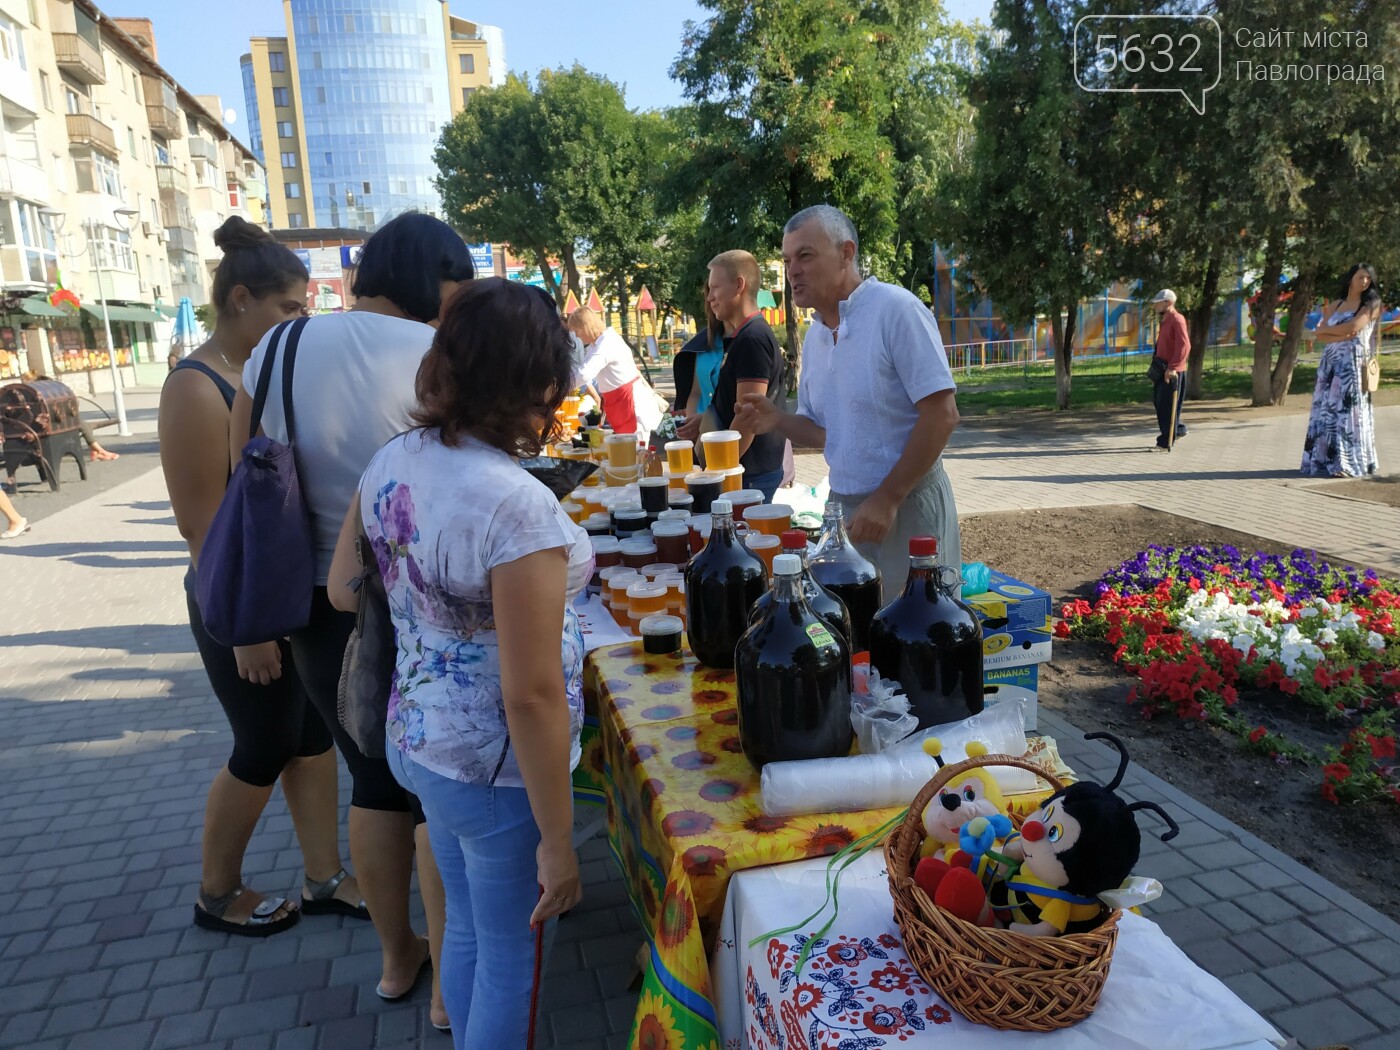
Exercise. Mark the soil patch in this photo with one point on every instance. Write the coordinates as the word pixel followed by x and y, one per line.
pixel 1372 490
pixel 1065 551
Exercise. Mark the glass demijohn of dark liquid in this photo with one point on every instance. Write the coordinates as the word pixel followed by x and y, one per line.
pixel 825 604
pixel 846 573
pixel 793 676
pixel 721 583
pixel 929 642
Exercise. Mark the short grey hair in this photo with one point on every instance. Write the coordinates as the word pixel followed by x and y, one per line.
pixel 833 221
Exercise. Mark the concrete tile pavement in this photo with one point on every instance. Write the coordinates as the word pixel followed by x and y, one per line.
pixel 113 737
pixel 1237 473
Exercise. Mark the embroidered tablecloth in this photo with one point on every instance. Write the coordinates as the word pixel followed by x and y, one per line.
pixel 859 991
pixel 683 815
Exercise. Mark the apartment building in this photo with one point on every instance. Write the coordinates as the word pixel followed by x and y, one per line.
pixel 346 109
pixel 113 178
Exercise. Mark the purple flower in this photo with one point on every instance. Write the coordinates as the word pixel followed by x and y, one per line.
pixel 394 508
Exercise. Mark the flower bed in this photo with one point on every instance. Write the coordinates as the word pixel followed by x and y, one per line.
pixel 1212 633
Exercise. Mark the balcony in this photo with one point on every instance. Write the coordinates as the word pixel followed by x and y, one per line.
pixel 181 239
pixel 79 58
pixel 203 149
pixel 172 180
pixel 15 268
pixel 16 88
pixel 162 108
pixel 19 178
pixel 86 130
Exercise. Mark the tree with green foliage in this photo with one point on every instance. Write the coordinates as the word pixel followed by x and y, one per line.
pixel 792 103
pixel 500 182
pixel 1027 214
pixel 1323 155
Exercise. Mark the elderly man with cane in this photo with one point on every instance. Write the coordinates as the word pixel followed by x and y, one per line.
pixel 875 395
pixel 1168 369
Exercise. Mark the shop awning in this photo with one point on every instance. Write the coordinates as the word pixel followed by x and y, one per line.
pixel 135 314
pixel 168 312
pixel 35 306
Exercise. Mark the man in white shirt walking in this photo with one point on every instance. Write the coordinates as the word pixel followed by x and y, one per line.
pixel 875 395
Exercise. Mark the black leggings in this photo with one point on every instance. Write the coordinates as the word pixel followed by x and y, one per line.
pixel 272 724
pixel 319 651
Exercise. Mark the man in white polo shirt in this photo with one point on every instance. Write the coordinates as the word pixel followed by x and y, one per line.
pixel 875 395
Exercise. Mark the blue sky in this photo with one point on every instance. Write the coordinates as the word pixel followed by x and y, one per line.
pixel 632 42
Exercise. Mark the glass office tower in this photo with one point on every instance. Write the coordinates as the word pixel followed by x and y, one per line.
pixel 373 85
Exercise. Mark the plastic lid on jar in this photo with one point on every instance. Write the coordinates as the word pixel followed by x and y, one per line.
pixel 660 568
pixel 638 545
pixel 794 540
pixel 787 565
pixel 643 589
pixel 671 528
pixel 606 544
pixel 660 624
pixel 606 575
pixel 721 506
pixel 923 546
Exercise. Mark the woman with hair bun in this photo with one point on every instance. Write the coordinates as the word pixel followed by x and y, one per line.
pixel 277 734
pixel 352 391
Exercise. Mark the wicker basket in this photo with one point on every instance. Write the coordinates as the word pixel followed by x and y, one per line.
pixel 994 977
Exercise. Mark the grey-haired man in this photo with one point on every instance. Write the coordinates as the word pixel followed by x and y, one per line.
pixel 875 395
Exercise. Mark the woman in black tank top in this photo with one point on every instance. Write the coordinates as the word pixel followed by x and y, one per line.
pixel 276 731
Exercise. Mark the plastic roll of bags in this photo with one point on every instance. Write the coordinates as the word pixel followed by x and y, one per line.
pixel 893 777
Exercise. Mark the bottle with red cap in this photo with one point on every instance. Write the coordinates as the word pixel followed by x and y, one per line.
pixel 930 642
pixel 825 604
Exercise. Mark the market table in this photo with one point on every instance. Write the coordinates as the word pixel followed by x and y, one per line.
pixel 859 989
pixel 661 746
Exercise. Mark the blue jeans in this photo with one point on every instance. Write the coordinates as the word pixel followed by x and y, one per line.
pixel 484 840
pixel 765 483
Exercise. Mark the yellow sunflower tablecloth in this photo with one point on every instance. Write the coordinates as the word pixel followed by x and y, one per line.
pixel 683 815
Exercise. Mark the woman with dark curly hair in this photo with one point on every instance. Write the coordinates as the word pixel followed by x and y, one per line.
pixel 480 565
pixel 1341 439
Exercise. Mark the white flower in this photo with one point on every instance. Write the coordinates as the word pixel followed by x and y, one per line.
pixel 1327 636
pixel 1243 643
pixel 1307 613
pixel 1375 641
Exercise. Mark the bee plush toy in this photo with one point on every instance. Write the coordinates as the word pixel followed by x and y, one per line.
pixel 1081 843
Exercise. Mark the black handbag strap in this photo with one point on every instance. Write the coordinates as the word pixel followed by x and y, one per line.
pixel 288 332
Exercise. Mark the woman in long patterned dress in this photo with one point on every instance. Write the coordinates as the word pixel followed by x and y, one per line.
pixel 1341 437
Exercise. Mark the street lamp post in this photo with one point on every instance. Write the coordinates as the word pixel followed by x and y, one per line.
pixel 124 218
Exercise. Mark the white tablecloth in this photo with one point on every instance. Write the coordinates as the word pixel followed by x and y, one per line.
pixel 859 990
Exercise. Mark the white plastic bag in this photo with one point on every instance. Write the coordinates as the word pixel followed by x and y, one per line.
pixel 880 716
pixel 1002 727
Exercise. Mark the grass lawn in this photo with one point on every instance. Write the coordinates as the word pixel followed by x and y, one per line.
pixel 1121 380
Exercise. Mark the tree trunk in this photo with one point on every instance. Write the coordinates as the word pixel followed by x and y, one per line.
pixel 1262 314
pixel 554 286
pixel 622 300
pixel 1198 325
pixel 1288 353
pixel 794 351
pixel 1063 334
pixel 571 272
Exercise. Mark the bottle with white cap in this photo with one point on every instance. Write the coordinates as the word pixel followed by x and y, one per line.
pixel 793 675
pixel 721 583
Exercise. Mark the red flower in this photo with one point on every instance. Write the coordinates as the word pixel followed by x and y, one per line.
pixel 846 954
pixel 1381 746
pixel 1323 677
pixel 884 1020
pixel 807 997
pixel 777 956
pixel 1289 686
pixel 1194 584
pixel 941 1015
pixel 1329 793
pixel 890 979
pixel 1062 629
pixel 1257 734
pixel 1391 679
pixel 1336 771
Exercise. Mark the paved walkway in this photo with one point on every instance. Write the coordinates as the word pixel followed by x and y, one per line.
pixel 1240 474
pixel 113 737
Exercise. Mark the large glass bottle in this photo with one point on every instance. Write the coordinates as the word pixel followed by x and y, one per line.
pixel 846 573
pixel 721 584
pixel 793 675
pixel 825 604
pixel 930 642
